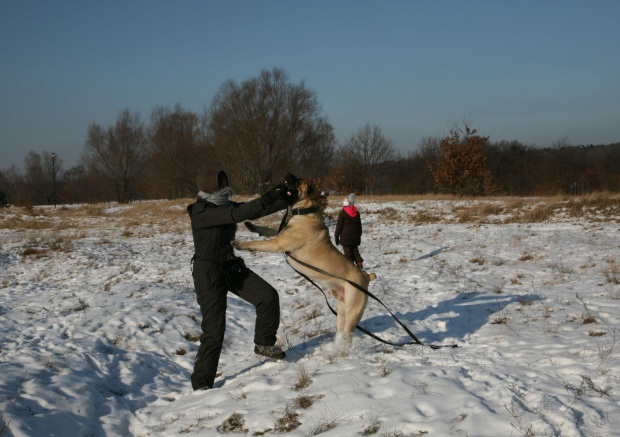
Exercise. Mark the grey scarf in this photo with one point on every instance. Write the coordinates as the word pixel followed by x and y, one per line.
pixel 219 198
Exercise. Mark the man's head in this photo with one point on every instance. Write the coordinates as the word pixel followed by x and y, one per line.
pixel 212 181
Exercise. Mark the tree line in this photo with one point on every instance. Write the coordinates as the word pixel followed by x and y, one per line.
pixel 264 127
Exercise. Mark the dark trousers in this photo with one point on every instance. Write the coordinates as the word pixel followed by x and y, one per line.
pixel 353 253
pixel 212 298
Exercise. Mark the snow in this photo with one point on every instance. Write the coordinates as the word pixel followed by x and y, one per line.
pixel 98 321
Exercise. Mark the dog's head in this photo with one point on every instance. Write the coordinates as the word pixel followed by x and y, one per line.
pixel 302 189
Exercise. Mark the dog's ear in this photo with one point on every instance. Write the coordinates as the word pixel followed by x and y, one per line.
pixel 313 191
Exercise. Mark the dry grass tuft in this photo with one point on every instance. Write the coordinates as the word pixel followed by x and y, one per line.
pixel 389 213
pixel 586 387
pixel 597 333
pixel 478 260
pixel 425 217
pixel 190 336
pixel 324 426
pixel 287 421
pixel 502 320
pixel 372 428
pixel 4 425
pixel 306 401
pixel 303 379
pixel 311 315
pixel 38 248
pixel 540 213
pixel 234 424
pixel 82 305
pixel 612 273
pixel 587 319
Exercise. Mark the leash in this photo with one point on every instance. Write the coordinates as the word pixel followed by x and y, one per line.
pixel 290 213
pixel 368 293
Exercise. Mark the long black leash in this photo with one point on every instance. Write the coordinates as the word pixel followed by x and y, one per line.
pixel 368 293
pixel 359 287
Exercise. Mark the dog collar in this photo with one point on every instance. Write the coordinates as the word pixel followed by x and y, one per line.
pixel 304 211
pixel 298 211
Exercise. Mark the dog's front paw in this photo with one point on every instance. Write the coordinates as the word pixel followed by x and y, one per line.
pixel 237 244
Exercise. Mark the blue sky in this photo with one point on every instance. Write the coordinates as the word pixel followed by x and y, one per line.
pixel 535 71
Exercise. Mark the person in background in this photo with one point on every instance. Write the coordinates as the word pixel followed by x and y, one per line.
pixel 349 230
pixel 216 270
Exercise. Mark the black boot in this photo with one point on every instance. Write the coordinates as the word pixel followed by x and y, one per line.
pixel 274 352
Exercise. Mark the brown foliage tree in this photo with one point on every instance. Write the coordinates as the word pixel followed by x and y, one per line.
pixel 461 167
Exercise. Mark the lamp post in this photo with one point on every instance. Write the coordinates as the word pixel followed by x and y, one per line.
pixel 54 175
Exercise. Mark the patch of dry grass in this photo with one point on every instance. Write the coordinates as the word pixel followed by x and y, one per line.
pixel 135 219
pixel 191 336
pixel 303 379
pixel 612 273
pixel 425 217
pixel 287 421
pixel 233 424
pixel 38 248
pixel 305 401
pixel 603 206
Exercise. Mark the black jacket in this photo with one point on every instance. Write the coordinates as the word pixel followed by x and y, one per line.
pixel 214 227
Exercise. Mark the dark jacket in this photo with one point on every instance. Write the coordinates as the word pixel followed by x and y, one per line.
pixel 213 228
pixel 216 273
pixel 349 229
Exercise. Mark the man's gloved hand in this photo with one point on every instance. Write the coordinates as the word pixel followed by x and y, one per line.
pixel 279 192
pixel 290 181
pixel 274 194
pixel 289 195
pixel 286 191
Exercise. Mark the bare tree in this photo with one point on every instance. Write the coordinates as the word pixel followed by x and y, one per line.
pixel 264 127
pixel 177 151
pixel 118 154
pixel 317 158
pixel 12 183
pixel 364 157
pixel 39 177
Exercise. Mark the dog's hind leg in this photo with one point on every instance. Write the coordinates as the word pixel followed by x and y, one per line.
pixel 342 341
pixel 355 303
pixel 342 314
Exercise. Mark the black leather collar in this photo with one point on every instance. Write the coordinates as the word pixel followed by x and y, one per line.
pixel 304 211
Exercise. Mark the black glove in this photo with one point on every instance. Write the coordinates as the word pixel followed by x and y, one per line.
pixel 276 193
pixel 337 241
pixel 289 195
pixel 290 181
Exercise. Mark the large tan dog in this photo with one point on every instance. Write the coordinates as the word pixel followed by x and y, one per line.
pixel 306 238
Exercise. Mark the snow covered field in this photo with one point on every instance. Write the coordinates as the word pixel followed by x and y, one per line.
pixel 99 327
